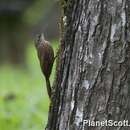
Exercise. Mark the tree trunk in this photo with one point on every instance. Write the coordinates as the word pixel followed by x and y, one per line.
pixel 93 73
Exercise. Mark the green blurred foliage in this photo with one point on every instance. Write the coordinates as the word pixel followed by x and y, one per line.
pixel 37 11
pixel 24 101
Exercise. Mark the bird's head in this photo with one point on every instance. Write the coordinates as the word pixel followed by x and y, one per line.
pixel 39 39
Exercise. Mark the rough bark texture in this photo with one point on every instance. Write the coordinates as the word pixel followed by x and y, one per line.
pixel 93 73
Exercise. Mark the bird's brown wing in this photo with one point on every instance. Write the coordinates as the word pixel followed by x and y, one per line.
pixel 46 57
pixel 41 54
pixel 49 58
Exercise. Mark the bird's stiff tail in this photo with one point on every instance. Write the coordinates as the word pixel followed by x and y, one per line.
pixel 48 87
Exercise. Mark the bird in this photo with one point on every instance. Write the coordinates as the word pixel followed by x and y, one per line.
pixel 46 58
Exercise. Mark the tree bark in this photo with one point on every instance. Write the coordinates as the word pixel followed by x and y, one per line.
pixel 93 72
